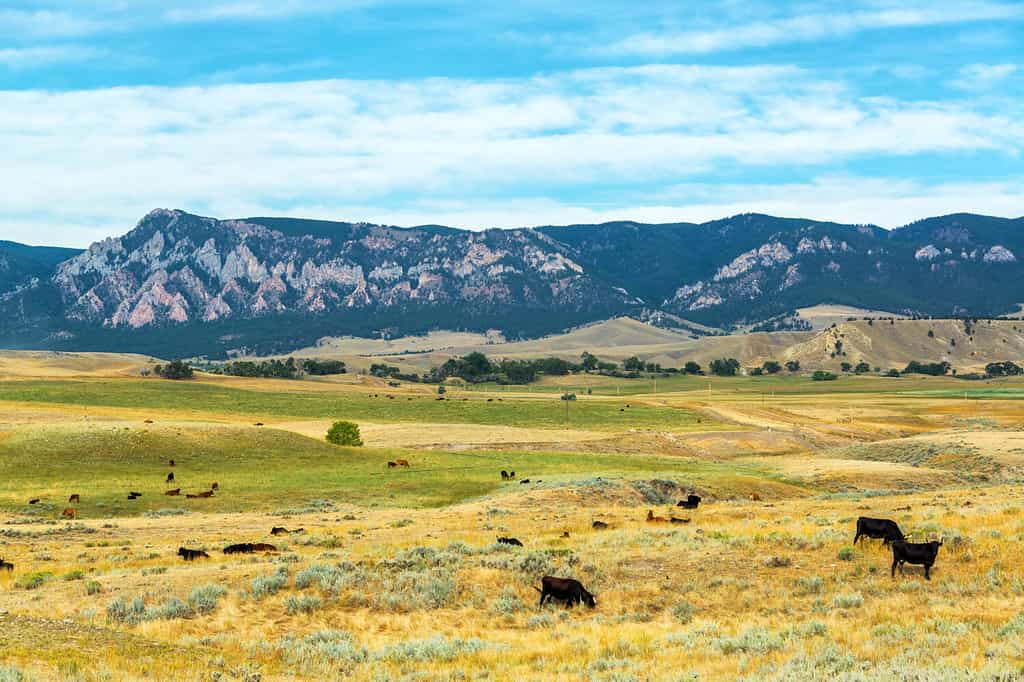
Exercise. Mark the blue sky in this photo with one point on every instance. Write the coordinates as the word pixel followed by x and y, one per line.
pixel 506 114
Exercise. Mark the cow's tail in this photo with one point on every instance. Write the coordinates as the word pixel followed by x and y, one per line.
pixel 537 588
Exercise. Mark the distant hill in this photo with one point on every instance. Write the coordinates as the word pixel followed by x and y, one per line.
pixel 181 284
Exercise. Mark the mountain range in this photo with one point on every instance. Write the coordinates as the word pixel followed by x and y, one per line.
pixel 182 285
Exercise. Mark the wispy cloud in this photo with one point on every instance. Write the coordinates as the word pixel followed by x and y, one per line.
pixel 106 156
pixel 24 58
pixel 984 76
pixel 807 27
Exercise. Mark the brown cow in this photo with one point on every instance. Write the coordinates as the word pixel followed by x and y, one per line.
pixel 402 462
pixel 74 498
pixel 214 486
pixel 599 525
pixel 651 518
pixel 172 493
pixel 69 513
pixel 392 465
pixel 754 497
pixel 147 421
pixel 205 493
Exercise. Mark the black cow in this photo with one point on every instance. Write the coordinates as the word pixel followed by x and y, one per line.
pixel 241 548
pixel 885 529
pixel 170 477
pixel 281 530
pixel 190 554
pixel 691 502
pixel 569 590
pixel 6 565
pixel 504 475
pixel 510 541
pixel 524 481
pixel 511 474
pixel 922 553
pixel 599 525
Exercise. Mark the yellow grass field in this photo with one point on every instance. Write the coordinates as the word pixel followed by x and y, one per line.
pixel 397 575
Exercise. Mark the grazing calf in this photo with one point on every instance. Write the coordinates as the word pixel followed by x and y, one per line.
pixel 569 590
pixel 524 481
pixel 504 475
pixel 599 525
pixel 69 513
pixel 922 553
pixel 510 541
pixel 676 519
pixel 511 474
pixel 75 497
pixel 280 530
pixel 651 518
pixel 402 462
pixel 147 421
pixel 884 529
pixel 191 554
pixel 258 424
pixel 754 497
pixel 134 495
pixel 172 493
pixel 691 502
pixel 34 500
pixel 6 565
pixel 170 477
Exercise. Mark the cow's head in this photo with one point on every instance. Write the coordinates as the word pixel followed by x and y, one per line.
pixel 588 599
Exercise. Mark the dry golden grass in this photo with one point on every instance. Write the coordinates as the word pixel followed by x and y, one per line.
pixel 766 590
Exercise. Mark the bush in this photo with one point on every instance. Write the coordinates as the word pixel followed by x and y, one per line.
pixel 73 575
pixel 171 609
pixel 848 601
pixel 344 433
pixel 507 603
pixel 266 585
pixel 175 369
pixel 822 375
pixel 846 554
pixel 725 367
pixel 204 598
pixel 31 581
pixel 321 651
pixel 436 648
pixel 122 611
pixel 304 604
pixel 93 587
pixel 683 612
pixel 9 673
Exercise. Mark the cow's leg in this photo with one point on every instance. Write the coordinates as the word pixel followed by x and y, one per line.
pixel 856 537
pixel 542 595
pixel 893 572
pixel 927 570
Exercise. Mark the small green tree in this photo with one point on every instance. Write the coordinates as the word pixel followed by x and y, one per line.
pixel 771 367
pixel 589 361
pixel 862 368
pixel 691 367
pixel 344 433
pixel 793 366
pixel 441 390
pixel 175 369
pixel 845 366
pixel 725 367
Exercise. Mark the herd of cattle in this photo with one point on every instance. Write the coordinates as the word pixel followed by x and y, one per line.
pixel 569 590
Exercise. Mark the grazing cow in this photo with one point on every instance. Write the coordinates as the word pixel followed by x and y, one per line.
pixel 170 477
pixel 280 530
pixel 651 518
pixel 676 519
pixel 599 525
pixel 75 497
pixel 565 533
pixel 511 474
pixel 172 493
pixel 524 481
pixel 69 513
pixel 402 462
pixel 147 421
pixel 240 548
pixel 171 462
pixel 885 529
pixel 569 590
pixel 34 500
pixel 134 495
pixel 258 424
pixel 214 486
pixel 191 554
pixel 510 541
pixel 392 465
pixel 504 475
pixel 691 502
pixel 6 565
pixel 922 553
pixel 205 493
pixel 754 497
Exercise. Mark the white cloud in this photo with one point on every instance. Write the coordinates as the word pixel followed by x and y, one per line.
pixel 23 58
pixel 105 157
pixel 40 23
pixel 806 28
pixel 984 76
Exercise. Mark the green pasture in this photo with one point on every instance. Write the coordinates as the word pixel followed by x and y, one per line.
pixel 291 401
pixel 272 470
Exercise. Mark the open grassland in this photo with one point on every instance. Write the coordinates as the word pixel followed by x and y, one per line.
pixel 397 575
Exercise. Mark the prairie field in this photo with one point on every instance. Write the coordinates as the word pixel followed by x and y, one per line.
pixel 396 573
